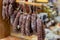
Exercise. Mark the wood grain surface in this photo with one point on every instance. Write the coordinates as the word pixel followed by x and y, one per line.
pixel 12 38
pixel 4 24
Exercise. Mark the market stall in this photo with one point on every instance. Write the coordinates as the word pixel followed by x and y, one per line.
pixel 30 18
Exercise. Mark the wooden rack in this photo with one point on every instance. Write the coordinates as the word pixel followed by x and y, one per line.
pixel 29 3
pixel 32 37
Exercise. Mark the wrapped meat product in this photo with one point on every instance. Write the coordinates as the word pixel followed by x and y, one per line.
pixel 27 27
pixel 10 10
pixel 13 16
pixel 20 21
pixel 33 22
pixel 23 24
pixel 40 29
pixel 16 21
pixel 5 11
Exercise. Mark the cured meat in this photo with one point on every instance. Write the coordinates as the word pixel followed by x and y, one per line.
pixel 33 22
pixel 10 11
pixel 23 24
pixel 40 29
pixel 5 11
pixel 27 27
pixel 13 16
pixel 16 21
pixel 20 21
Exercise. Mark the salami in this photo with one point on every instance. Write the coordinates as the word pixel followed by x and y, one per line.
pixel 13 16
pixel 20 22
pixel 10 11
pixel 40 29
pixel 23 24
pixel 27 27
pixel 16 21
pixel 33 22
pixel 5 11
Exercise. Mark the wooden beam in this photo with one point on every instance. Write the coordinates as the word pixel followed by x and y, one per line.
pixel 43 1
pixel 29 3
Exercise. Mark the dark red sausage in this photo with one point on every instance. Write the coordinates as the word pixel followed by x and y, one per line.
pixel 10 10
pixel 5 11
pixel 15 24
pixel 20 21
pixel 33 22
pixel 40 29
pixel 13 16
pixel 27 27
pixel 23 24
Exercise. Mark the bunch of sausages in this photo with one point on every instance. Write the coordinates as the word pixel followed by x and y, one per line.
pixel 28 23
pixel 24 23
pixel 7 8
pixel 40 29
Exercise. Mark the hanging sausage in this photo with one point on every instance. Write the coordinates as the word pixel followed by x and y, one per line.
pixel 5 11
pixel 40 29
pixel 12 6
pixel 10 11
pixel 20 22
pixel 18 27
pixel 23 24
pixel 16 21
pixel 13 16
pixel 33 22
pixel 27 27
pixel 7 14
